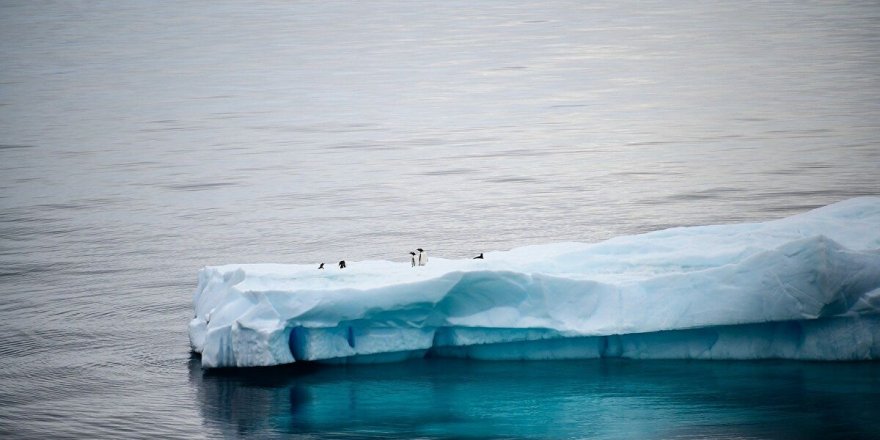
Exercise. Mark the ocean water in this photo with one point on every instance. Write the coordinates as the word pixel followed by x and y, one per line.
pixel 607 399
pixel 142 140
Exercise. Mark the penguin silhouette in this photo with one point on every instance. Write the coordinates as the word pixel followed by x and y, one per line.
pixel 342 264
pixel 321 266
pixel 413 258
pixel 479 257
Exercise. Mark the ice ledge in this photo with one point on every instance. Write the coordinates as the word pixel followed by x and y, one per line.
pixel 649 295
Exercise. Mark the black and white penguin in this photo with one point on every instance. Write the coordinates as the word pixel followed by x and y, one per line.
pixel 342 264
pixel 413 258
pixel 321 266
pixel 423 257
pixel 479 257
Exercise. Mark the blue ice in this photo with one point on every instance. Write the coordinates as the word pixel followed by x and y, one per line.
pixel 803 287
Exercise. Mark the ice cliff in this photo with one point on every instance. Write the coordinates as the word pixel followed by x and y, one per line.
pixel 803 287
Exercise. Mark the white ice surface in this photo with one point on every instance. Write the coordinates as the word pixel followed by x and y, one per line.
pixel 803 287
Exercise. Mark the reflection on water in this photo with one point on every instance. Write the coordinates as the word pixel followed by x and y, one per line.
pixel 586 399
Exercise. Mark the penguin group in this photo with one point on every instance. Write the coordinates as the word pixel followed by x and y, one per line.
pixel 420 259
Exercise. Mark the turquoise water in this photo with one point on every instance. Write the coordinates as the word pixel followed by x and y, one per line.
pixel 600 399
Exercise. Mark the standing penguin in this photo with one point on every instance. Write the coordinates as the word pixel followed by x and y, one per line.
pixel 413 258
pixel 342 264
pixel 321 266
pixel 423 257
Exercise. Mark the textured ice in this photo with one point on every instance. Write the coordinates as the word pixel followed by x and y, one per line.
pixel 803 287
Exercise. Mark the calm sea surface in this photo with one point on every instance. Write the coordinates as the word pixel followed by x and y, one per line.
pixel 142 140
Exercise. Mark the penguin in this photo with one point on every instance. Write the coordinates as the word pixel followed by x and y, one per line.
pixel 479 257
pixel 342 264
pixel 321 266
pixel 413 258
pixel 423 257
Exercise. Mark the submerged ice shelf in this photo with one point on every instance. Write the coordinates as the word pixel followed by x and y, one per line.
pixel 803 287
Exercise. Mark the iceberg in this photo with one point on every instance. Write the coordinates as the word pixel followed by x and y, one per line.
pixel 803 287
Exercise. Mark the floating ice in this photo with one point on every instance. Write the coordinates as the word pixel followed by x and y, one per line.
pixel 804 287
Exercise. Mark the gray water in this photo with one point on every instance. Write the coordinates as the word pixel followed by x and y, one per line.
pixel 140 141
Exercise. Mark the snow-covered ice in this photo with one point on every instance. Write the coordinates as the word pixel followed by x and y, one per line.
pixel 803 287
